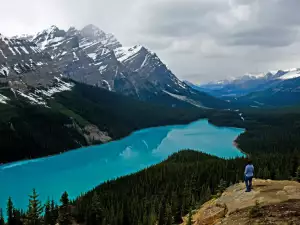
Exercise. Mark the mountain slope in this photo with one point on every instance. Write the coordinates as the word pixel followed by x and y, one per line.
pixel 45 79
pixel 49 121
pixel 248 83
pixel 93 57
pixel 284 93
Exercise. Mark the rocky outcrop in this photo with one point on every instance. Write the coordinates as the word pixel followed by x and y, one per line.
pixel 92 134
pixel 234 206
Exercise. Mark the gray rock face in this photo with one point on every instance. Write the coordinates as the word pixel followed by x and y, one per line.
pixel 22 61
pixel 93 57
pixel 96 58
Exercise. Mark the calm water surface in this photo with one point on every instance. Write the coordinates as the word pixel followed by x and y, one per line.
pixel 80 170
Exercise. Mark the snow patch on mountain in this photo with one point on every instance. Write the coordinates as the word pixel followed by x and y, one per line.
pixel 60 86
pixel 185 99
pixel 92 55
pixel 24 50
pixel 294 73
pixel 3 99
pixel 32 98
pixel 2 53
pixel 12 51
pixel 124 54
pixel 4 71
pixel 17 50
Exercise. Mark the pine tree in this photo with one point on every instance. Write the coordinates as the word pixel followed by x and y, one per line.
pixel 298 174
pixel 54 212
pixel 152 219
pixel 96 209
pixel 266 173
pixel 162 212
pixel 168 215
pixel 64 216
pixel 18 217
pixel 48 213
pixel 221 187
pixel 10 212
pixel 35 209
pixel 1 217
pixel 189 222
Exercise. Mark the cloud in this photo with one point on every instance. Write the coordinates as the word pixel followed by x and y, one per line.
pixel 128 153
pixel 200 40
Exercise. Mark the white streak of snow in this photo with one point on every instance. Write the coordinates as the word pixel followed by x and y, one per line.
pixel 17 50
pixel 75 56
pixel 12 51
pixel 290 75
pixel 185 99
pixel 34 99
pixel 123 54
pixel 92 56
pixel 241 115
pixel 3 99
pixel 24 49
pixel 3 54
pixel 109 87
pixel 102 68
pixel 33 49
pixel 4 71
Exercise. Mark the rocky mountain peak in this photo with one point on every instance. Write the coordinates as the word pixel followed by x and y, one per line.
pixel 96 58
pixel 91 31
pixel 48 36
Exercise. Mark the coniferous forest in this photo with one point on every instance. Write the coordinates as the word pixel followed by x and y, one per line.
pixel 163 193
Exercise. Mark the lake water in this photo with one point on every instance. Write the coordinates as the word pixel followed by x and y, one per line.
pixel 80 170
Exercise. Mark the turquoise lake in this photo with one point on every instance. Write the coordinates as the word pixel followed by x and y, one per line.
pixel 80 170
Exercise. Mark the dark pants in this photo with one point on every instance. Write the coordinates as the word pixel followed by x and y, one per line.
pixel 248 181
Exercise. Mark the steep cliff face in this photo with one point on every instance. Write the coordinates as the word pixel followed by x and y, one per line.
pixel 270 202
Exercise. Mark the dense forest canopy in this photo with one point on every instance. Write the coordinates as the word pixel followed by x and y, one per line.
pixel 163 193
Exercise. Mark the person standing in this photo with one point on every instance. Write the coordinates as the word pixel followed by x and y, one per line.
pixel 249 172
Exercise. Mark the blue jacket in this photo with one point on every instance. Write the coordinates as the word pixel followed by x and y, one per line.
pixel 249 170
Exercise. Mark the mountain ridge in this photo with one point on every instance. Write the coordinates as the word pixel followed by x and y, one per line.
pixel 91 56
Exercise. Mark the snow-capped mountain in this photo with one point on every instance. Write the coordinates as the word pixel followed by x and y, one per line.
pixel 94 57
pixel 274 88
pixel 248 83
pixel 23 63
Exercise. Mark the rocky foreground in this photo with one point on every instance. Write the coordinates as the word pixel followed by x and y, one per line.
pixel 270 202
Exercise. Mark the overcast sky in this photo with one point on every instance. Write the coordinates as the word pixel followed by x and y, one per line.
pixel 200 40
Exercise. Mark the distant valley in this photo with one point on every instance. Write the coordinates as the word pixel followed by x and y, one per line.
pixel 275 88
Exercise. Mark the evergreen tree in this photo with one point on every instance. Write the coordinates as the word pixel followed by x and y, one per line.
pixel 298 174
pixel 54 212
pixel 162 212
pixel 96 209
pixel 221 187
pixel 10 212
pixel 35 209
pixel 18 217
pixel 48 214
pixel 168 215
pixel 64 216
pixel 189 222
pixel 1 217
pixel 266 173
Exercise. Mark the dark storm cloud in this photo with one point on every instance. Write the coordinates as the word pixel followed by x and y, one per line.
pixel 180 18
pixel 264 36
pixel 199 39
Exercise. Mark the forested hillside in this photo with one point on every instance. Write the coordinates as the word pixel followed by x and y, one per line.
pixel 30 131
pixel 163 193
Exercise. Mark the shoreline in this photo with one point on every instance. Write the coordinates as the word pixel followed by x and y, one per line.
pixel 235 144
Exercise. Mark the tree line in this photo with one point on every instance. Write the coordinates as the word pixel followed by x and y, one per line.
pixel 161 194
